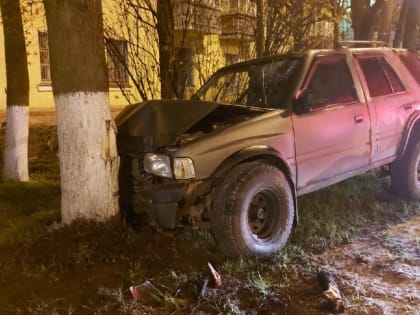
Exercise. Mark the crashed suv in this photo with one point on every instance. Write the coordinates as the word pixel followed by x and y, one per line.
pixel 259 134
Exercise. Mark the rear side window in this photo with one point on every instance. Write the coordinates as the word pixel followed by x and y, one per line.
pixel 380 77
pixel 412 62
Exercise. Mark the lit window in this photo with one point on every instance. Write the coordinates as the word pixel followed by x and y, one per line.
pixel 44 57
pixel 117 61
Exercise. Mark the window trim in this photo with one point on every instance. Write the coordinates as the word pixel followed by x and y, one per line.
pixel 45 50
pixel 114 84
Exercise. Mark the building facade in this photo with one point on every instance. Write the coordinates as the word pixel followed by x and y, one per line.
pixel 208 35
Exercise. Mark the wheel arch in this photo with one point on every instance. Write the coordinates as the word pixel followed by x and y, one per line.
pixel 264 153
pixel 412 131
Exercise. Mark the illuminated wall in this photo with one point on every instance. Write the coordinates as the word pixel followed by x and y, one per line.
pixel 210 52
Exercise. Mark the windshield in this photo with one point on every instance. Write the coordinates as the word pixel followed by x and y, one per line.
pixel 260 85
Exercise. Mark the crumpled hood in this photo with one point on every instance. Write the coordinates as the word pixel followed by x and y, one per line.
pixel 160 123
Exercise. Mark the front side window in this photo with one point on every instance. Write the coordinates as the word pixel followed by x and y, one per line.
pixel 331 83
pixel 259 85
pixel 381 79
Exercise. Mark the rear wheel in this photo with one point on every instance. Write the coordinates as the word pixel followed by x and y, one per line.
pixel 405 172
pixel 253 211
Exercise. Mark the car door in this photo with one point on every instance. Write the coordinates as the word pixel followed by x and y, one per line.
pixel 390 102
pixel 332 133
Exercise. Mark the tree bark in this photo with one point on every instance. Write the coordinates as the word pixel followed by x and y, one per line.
pixel 86 133
pixel 259 32
pixel 165 29
pixel 399 33
pixel 17 128
pixel 365 18
pixel 411 33
pixel 337 10
pixel 385 25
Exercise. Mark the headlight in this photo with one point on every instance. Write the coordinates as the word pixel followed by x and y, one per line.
pixel 184 168
pixel 159 165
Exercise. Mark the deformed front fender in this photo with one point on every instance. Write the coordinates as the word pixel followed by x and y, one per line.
pixel 260 152
pixel 252 153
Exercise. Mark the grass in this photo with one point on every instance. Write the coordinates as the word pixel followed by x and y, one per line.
pixel 68 265
pixel 27 208
pixel 257 283
pixel 228 306
pixel 341 212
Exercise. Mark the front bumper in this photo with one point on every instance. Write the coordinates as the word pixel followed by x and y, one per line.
pixel 163 201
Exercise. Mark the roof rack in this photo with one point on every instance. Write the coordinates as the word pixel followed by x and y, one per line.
pixel 362 44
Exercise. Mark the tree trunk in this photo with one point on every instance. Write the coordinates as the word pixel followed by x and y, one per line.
pixel 365 18
pixel 165 29
pixel 259 32
pixel 385 25
pixel 86 133
pixel 338 15
pixel 399 33
pixel 17 128
pixel 411 33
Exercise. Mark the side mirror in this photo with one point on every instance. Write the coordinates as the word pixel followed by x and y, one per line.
pixel 303 103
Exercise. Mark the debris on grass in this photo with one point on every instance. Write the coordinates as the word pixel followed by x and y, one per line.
pixel 331 298
pixel 204 288
pixel 146 293
pixel 216 276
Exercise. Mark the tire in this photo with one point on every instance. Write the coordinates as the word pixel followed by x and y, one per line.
pixel 405 172
pixel 253 211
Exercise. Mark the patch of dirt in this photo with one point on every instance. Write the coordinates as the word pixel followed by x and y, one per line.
pixel 79 270
pixel 377 274
pixel 380 274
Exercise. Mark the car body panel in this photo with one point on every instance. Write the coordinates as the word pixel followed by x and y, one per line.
pixel 389 111
pixel 315 148
pixel 270 129
pixel 159 123
pixel 335 138
pixel 329 142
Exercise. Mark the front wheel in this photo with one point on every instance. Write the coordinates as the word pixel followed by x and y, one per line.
pixel 405 172
pixel 252 211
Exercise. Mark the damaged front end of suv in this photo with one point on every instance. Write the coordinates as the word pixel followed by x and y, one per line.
pixel 154 174
pixel 175 155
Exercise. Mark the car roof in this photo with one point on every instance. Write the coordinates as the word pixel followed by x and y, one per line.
pixel 310 52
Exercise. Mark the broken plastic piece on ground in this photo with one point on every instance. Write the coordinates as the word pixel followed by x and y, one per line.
pixel 146 293
pixel 204 288
pixel 216 276
pixel 331 297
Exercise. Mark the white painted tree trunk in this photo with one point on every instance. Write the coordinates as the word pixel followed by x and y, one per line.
pixel 16 144
pixel 88 157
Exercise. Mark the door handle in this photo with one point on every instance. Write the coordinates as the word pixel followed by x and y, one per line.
pixel 408 106
pixel 359 119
